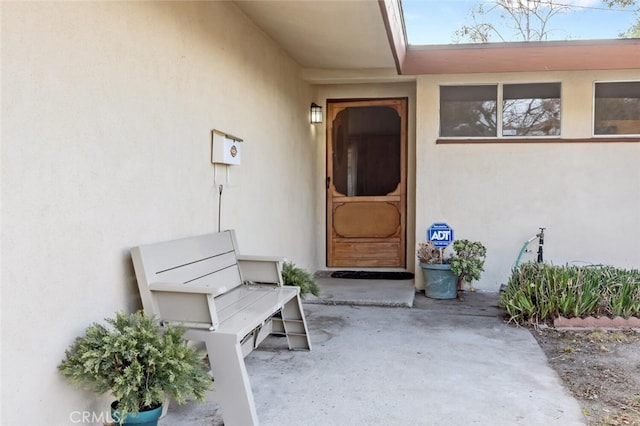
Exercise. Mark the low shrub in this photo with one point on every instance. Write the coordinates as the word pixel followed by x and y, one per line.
pixel 294 275
pixel 537 292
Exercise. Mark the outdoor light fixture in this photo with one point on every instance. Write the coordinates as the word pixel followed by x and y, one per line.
pixel 316 114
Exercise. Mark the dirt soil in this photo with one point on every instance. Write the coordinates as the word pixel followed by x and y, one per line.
pixel 601 368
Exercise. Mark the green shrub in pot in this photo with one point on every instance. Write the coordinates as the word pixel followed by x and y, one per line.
pixel 139 362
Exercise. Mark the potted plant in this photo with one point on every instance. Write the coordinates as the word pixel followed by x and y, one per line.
pixel 294 275
pixel 468 261
pixel 444 276
pixel 439 280
pixel 140 363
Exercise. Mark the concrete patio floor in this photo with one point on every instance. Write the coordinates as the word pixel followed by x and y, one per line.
pixel 440 362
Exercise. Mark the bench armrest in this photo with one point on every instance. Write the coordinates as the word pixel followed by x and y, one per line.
pixel 260 258
pixel 261 269
pixel 181 288
pixel 191 306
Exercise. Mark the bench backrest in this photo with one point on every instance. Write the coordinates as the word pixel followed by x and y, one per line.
pixel 202 261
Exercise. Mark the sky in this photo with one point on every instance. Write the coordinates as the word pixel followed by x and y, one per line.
pixel 435 21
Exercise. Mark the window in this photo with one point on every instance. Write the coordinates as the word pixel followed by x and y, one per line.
pixel 531 109
pixel 468 111
pixel 525 110
pixel 617 108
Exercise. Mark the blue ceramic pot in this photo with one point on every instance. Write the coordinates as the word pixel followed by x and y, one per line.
pixel 143 418
pixel 439 281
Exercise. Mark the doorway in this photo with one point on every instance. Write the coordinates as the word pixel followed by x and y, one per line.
pixel 366 183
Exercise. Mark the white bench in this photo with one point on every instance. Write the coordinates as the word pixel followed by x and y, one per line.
pixel 228 301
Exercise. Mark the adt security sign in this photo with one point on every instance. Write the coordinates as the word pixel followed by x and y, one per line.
pixel 440 234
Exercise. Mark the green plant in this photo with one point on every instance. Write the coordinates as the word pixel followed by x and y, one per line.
pixel 623 293
pixel 468 261
pixel 538 292
pixel 579 292
pixel 526 297
pixel 294 275
pixel 139 362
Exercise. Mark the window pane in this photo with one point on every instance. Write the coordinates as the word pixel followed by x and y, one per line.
pixel 468 111
pixel 531 109
pixel 617 108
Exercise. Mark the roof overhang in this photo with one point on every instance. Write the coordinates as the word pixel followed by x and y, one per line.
pixel 519 57
pixel 337 42
pixel 504 57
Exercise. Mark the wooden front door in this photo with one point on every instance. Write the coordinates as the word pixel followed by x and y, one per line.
pixel 366 183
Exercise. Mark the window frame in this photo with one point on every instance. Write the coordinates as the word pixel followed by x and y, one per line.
pixel 499 113
pixel 593 113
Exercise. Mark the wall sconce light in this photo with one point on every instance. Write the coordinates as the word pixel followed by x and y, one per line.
pixel 316 114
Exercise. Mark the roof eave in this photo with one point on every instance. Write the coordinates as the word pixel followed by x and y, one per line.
pixel 573 55
pixel 522 57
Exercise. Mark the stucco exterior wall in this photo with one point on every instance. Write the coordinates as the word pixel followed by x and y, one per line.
pixel 107 109
pixel 586 194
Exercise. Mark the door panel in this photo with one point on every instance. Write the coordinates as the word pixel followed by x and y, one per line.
pixel 365 219
pixel 366 175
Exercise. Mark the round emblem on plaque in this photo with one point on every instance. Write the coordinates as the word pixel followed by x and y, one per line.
pixel 234 151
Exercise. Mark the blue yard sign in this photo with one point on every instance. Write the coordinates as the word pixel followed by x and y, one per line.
pixel 440 234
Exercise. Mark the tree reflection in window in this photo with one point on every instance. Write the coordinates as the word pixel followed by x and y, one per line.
pixel 531 109
pixel 468 111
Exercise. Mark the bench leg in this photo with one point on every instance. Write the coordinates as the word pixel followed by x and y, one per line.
pixel 231 382
pixel 295 325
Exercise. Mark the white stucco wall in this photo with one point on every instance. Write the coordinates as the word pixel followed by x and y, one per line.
pixel 586 194
pixel 106 114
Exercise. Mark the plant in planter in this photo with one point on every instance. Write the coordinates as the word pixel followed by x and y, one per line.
pixel 294 275
pixel 430 254
pixel 468 261
pixel 444 275
pixel 140 363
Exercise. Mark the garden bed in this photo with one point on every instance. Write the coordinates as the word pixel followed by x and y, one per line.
pixel 599 365
pixel 540 293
